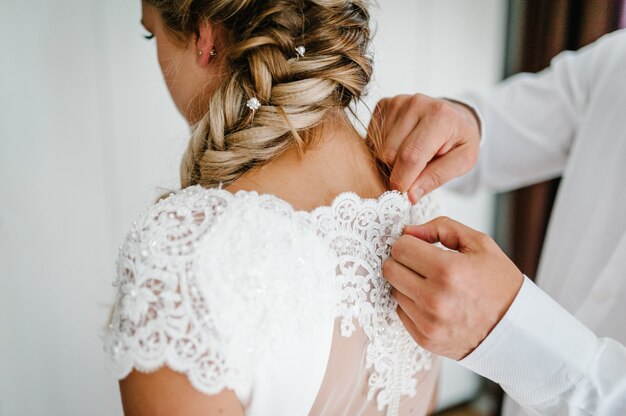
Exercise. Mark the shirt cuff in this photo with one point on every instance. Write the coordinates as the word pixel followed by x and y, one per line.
pixel 537 351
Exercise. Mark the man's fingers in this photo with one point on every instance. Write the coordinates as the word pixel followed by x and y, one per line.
pixel 405 302
pixel 419 256
pixel 400 125
pixel 443 169
pixel 450 233
pixel 409 324
pixel 419 148
pixel 412 318
pixel 402 278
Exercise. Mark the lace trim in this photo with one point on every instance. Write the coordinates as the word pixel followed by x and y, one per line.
pixel 163 317
pixel 361 233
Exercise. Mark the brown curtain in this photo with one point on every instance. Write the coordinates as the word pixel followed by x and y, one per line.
pixel 539 30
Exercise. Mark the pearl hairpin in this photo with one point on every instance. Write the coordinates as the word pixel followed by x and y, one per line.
pixel 253 104
pixel 300 51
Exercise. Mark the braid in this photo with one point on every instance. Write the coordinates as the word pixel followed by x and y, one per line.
pixel 296 93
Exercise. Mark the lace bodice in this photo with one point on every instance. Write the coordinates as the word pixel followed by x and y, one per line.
pixel 213 284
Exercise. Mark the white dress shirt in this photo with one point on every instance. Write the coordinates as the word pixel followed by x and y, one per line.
pixel 559 350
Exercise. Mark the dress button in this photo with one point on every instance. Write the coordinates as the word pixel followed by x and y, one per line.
pixel 601 295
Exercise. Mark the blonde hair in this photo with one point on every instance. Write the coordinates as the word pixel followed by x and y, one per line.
pixel 296 93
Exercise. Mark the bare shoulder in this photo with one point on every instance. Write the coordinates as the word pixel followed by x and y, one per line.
pixel 166 392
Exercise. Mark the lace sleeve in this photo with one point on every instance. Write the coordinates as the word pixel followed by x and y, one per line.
pixel 160 317
pixel 199 288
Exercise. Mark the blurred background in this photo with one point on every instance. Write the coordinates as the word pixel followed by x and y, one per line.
pixel 89 138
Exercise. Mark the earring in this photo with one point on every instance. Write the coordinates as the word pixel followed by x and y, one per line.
pixel 212 53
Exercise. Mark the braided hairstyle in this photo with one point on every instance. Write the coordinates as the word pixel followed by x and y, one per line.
pixel 296 93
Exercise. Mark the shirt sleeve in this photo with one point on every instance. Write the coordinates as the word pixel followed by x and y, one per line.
pixel 549 362
pixel 530 121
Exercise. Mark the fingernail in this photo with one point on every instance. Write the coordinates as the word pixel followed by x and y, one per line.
pixel 416 194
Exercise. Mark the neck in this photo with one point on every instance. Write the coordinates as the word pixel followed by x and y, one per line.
pixel 340 161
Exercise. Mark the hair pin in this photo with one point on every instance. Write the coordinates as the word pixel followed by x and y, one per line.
pixel 300 51
pixel 253 104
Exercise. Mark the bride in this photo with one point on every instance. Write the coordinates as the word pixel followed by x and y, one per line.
pixel 257 289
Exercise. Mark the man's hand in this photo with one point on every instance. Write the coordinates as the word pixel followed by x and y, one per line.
pixel 427 141
pixel 449 301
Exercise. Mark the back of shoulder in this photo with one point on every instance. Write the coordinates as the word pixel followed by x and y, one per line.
pixel 192 269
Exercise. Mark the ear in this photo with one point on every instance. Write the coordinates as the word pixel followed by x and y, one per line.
pixel 205 42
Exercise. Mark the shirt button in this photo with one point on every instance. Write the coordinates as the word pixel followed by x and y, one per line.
pixel 601 295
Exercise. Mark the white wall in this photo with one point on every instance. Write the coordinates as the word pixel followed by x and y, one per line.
pixel 88 133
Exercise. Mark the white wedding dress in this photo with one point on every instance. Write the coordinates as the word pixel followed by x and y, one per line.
pixel 287 308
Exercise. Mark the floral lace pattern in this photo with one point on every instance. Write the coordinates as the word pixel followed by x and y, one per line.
pixel 185 264
pixel 361 232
